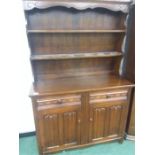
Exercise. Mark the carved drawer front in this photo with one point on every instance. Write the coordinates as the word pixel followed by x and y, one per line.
pixel 108 96
pixel 55 101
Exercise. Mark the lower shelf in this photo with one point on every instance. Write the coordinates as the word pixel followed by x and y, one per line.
pixel 76 55
pixel 78 84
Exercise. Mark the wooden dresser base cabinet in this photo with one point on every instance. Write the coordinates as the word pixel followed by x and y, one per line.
pixel 80 119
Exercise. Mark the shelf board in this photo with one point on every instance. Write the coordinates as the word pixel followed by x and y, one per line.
pixel 77 31
pixel 76 55
pixel 79 84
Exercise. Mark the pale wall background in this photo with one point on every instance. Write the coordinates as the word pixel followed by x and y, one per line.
pixel 26 122
pixel 15 70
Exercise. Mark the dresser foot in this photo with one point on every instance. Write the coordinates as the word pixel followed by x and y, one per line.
pixel 121 140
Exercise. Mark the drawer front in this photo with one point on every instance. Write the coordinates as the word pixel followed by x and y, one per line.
pixel 58 100
pixel 104 96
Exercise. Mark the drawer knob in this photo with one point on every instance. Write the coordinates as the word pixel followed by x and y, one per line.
pixel 79 121
pixel 91 119
pixel 50 116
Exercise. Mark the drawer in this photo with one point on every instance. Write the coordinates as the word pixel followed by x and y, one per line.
pixel 59 100
pixel 108 96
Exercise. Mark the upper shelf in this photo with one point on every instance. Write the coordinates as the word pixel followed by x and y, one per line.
pixel 76 55
pixel 77 31
pixel 113 5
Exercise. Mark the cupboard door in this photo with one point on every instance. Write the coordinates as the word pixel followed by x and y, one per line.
pixel 50 127
pixel 114 116
pixel 60 126
pixel 108 114
pixel 97 123
pixel 106 121
pixel 71 128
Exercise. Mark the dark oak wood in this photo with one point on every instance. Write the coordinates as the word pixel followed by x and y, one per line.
pixel 79 5
pixel 79 96
pixel 45 43
pixel 76 31
pixel 77 21
pixel 76 55
pixel 81 146
pixel 131 120
pixel 61 127
pixel 129 70
pixel 129 61
pixel 50 69
pixel 79 84
pixel 93 117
